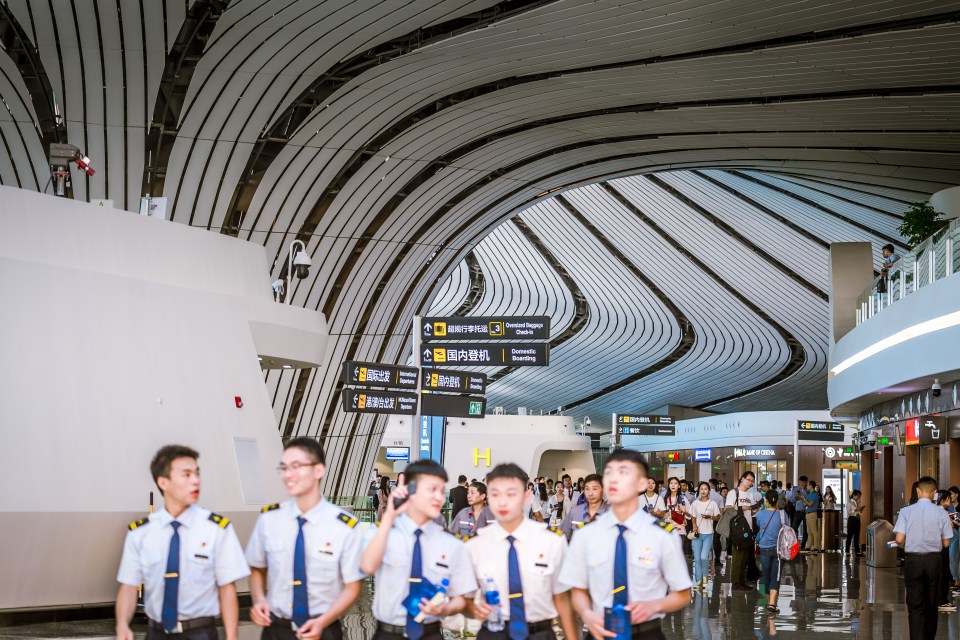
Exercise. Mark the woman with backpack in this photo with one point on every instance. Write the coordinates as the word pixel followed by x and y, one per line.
pixel 770 520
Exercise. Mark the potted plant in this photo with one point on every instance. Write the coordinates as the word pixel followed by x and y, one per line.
pixel 920 222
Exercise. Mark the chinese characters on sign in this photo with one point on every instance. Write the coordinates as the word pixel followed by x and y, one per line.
pixel 390 402
pixel 371 374
pixel 531 355
pixel 484 328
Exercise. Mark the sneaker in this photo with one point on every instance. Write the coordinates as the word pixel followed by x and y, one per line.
pixel 704 581
pixel 946 608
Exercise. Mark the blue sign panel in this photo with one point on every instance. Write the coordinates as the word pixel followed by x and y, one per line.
pixel 432 437
pixel 702 455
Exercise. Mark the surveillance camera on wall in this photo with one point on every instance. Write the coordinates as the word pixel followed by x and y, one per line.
pixel 302 264
pixel 586 421
pixel 936 389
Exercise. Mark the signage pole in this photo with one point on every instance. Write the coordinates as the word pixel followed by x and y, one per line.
pixel 615 440
pixel 796 456
pixel 415 422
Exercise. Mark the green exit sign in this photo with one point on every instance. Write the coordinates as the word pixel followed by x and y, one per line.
pixel 656 468
pixel 883 441
pixel 476 408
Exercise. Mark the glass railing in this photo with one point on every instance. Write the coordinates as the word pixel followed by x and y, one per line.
pixel 935 258
pixel 362 507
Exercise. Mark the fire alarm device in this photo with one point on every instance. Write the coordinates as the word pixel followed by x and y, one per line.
pixel 239 401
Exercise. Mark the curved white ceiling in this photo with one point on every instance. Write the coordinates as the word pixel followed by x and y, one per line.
pixel 393 137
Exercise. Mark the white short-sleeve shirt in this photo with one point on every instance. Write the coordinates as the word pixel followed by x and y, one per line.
pixel 540 552
pixel 332 549
pixel 655 562
pixel 701 511
pixel 210 557
pixel 746 500
pixel 650 505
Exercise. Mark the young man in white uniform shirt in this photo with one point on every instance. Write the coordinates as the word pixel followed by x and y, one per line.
pixel 307 550
pixel 186 557
pixel 408 547
pixel 627 542
pixel 523 558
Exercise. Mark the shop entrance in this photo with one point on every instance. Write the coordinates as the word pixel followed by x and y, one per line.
pixel 771 470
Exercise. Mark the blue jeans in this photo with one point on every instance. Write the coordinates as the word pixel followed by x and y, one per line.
pixel 701 552
pixel 770 563
pixel 955 555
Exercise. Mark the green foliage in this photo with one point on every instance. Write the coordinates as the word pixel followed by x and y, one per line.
pixel 920 222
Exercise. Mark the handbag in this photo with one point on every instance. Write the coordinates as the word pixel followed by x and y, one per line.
pixel 723 524
pixel 675 514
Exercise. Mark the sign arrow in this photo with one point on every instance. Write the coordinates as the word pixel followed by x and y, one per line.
pixel 427 355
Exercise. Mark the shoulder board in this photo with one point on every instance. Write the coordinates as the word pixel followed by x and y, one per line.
pixel 555 530
pixel 347 519
pixel 219 520
pixel 463 537
pixel 136 524
pixel 270 507
pixel 666 526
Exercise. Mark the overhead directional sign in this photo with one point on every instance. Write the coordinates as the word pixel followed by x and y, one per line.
pixel 486 328
pixel 454 381
pixel 491 354
pixel 372 374
pixel 825 431
pixel 629 425
pixel 439 404
pixel 388 402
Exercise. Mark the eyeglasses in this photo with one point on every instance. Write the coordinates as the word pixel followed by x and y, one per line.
pixel 295 466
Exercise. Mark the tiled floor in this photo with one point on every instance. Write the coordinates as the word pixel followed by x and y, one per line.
pixel 824 595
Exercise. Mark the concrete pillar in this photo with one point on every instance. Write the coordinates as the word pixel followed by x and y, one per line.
pixel 866 488
pixel 851 271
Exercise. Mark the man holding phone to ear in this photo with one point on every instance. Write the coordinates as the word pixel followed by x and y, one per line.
pixel 409 547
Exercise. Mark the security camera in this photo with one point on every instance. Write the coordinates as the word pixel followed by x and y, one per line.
pixel 586 421
pixel 872 438
pixel 935 388
pixel 301 265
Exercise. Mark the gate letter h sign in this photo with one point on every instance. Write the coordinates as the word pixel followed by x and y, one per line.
pixel 477 457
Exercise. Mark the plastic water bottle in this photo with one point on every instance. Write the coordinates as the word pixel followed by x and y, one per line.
pixel 437 598
pixel 492 596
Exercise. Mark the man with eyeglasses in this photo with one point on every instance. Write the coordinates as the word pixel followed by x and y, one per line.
pixel 308 549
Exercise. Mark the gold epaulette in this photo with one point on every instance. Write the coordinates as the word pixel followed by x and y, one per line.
pixel 219 520
pixel 557 531
pixel 270 507
pixel 666 526
pixel 136 524
pixel 347 519
pixel 463 537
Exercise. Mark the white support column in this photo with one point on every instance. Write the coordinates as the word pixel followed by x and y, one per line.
pixel 415 422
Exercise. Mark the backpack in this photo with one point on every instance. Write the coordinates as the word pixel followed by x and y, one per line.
pixel 741 533
pixel 787 544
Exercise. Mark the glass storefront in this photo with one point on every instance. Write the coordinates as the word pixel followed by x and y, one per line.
pixel 766 470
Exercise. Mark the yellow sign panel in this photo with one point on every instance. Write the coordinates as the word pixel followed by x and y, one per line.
pixel 363 374
pixel 853 466
pixel 434 379
pixel 362 401
pixel 626 418
pixel 496 329
pixel 440 355
pixel 477 456
pixel 439 329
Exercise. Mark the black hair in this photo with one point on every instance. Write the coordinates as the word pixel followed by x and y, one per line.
pixel 480 487
pixel 162 459
pixel 461 479
pixel 508 470
pixel 629 455
pixel 308 445
pixel 925 484
pixel 803 478
pixel 542 490
pixel 954 489
pixel 564 476
pixel 889 247
pixel 748 473
pixel 424 468
pixel 594 477
pixel 700 484
pixel 855 492
pixel 772 497
pixel 789 485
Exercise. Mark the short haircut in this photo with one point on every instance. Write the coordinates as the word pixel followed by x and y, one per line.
pixel 480 487
pixel 764 482
pixel 565 476
pixel 889 247
pixel 926 484
pixel 772 497
pixel 713 483
pixel 780 483
pixel 748 473
pixel 789 485
pixel 162 459
pixel 594 477
pixel 508 470
pixel 803 478
pixel 424 468
pixel 461 479
pixel 308 445
pixel 856 492
pixel 629 455
pixel 954 489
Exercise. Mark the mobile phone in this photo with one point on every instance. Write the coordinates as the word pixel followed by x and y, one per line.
pixel 411 489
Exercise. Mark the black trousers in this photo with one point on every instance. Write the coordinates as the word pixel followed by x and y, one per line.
pixel 333 632
pixel 206 633
pixel 853 534
pixel 921 573
pixel 944 576
pixel 798 517
pixel 381 634
pixel 716 548
pixel 486 634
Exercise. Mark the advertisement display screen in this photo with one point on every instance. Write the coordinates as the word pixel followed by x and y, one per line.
pixel 398 453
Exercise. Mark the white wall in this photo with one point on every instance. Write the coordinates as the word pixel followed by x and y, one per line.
pixel 928 355
pixel 947 202
pixel 120 334
pixel 532 442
